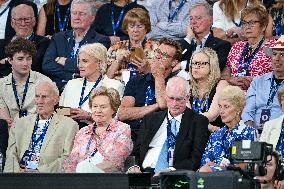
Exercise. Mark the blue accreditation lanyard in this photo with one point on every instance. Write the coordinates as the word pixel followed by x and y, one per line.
pixel 20 106
pixel 76 46
pixel 197 104
pixel 3 11
pixel 173 14
pixel 115 26
pixel 273 90
pixel 84 99
pixel 244 64
pixel 171 142
pixel 91 139
pixel 150 96
pixel 278 29
pixel 39 141
pixel 62 25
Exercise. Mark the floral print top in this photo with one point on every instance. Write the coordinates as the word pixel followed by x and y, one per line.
pixel 115 145
pixel 260 64
pixel 121 48
pixel 219 142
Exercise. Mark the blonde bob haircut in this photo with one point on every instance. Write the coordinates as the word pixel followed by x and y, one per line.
pixel 136 15
pixel 111 93
pixel 235 95
pixel 97 51
pixel 214 74
pixel 280 93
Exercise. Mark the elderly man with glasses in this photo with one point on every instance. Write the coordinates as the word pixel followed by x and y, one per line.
pixel 174 138
pixel 23 20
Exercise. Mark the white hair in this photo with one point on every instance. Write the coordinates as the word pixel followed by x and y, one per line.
pixel 51 85
pixel 179 81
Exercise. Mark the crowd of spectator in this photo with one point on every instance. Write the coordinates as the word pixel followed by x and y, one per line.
pixel 86 84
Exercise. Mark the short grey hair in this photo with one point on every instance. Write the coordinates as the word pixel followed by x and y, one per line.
pixel 93 9
pixel 51 84
pixel 179 80
pixel 97 51
pixel 206 5
pixel 13 11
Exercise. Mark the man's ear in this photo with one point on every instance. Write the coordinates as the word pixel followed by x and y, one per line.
pixel 174 63
pixel 10 60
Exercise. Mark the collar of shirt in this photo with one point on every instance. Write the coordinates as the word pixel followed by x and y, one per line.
pixel 203 41
pixel 178 118
pixel 27 38
pixel 8 79
pixel 112 126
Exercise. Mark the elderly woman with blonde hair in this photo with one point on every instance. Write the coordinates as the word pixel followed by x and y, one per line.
pixel 103 145
pixel 92 67
pixel 206 86
pixel 231 103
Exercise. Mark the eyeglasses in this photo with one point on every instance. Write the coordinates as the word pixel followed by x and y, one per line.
pixel 199 64
pixel 26 20
pixel 250 24
pixel 177 99
pixel 163 55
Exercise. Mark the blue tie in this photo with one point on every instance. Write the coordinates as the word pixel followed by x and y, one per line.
pixel 162 162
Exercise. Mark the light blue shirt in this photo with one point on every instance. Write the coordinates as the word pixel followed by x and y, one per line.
pixel 162 27
pixel 257 97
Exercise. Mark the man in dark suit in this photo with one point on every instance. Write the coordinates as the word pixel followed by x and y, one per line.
pixel 199 35
pixel 177 131
pixel 23 22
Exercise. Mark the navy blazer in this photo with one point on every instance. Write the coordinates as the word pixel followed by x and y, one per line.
pixel 190 143
pixel 61 45
pixel 221 47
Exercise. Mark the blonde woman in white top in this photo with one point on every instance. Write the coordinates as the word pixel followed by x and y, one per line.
pixel 92 67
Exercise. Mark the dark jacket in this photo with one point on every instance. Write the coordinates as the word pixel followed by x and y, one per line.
pixel 221 47
pixel 190 143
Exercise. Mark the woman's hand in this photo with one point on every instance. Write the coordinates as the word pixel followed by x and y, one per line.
pixel 141 64
pixel 134 169
pixel 213 128
pixel 107 166
pixel 79 114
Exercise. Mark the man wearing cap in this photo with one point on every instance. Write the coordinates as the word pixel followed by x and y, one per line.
pixel 261 99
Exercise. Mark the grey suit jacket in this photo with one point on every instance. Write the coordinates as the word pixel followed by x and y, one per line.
pixel 56 146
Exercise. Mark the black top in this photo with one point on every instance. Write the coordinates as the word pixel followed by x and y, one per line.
pixel 218 122
pixel 136 87
pixel 52 28
pixel 102 23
